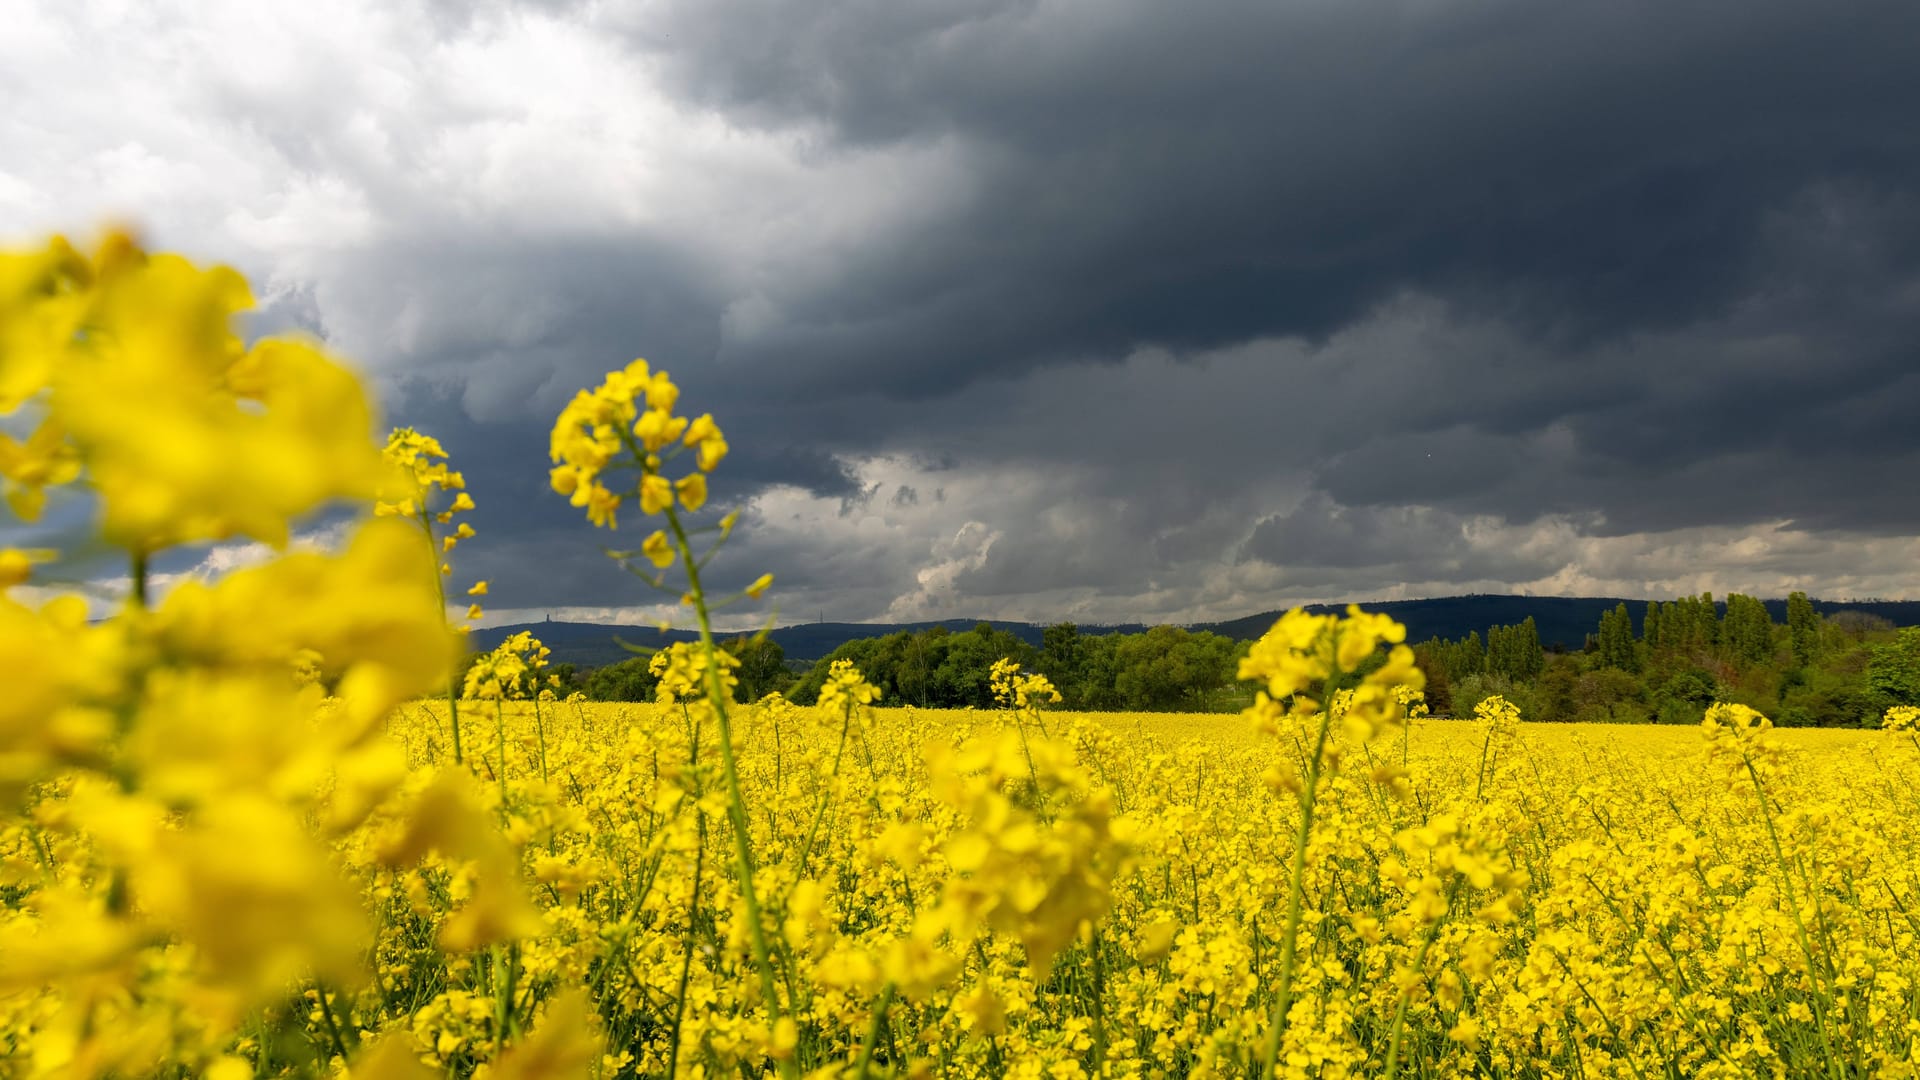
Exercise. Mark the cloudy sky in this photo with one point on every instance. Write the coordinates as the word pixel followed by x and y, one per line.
pixel 1094 309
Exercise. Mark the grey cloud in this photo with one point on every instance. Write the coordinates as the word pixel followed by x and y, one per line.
pixel 1191 307
pixel 1197 178
pixel 1320 539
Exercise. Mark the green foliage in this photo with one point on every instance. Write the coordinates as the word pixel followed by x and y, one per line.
pixel 1689 625
pixel 762 670
pixel 1514 652
pixel 1458 659
pixel 1893 670
pixel 1554 699
pixel 1803 629
pixel 1616 644
pixel 1845 669
pixel 1682 696
pixel 1164 669
pixel 932 668
pixel 1610 695
pixel 1439 691
pixel 1821 697
pixel 628 680
pixel 1747 632
pixel 1474 689
pixel 1168 669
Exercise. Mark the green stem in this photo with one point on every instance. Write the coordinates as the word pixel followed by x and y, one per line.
pixel 826 797
pixel 500 723
pixel 686 961
pixel 333 1028
pixel 503 1005
pixel 540 730
pixel 1099 1005
pixel 1406 992
pixel 729 771
pixel 1799 924
pixel 140 579
pixel 1296 881
pixel 453 713
pixel 440 590
pixel 873 1030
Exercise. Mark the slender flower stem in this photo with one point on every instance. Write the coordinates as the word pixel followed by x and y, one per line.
pixel 540 731
pixel 729 771
pixel 826 797
pixel 140 579
pixel 686 961
pixel 1296 881
pixel 500 726
pixel 1799 924
pixel 440 590
pixel 453 714
pixel 873 1030
pixel 333 1027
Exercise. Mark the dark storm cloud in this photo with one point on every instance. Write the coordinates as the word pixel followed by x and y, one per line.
pixel 1197 177
pixel 1320 539
pixel 1683 222
pixel 1125 309
pixel 1693 228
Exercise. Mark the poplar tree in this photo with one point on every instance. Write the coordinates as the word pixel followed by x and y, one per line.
pixel 1616 640
pixel 1748 630
pixel 1803 629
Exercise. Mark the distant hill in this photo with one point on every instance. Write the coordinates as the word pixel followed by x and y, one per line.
pixel 594 644
pixel 1563 620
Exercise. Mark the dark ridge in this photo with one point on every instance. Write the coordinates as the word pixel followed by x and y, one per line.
pixel 1564 621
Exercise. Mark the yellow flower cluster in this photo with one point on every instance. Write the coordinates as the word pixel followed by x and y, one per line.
pixel 179 772
pixel 140 381
pixel 510 671
pixel 231 844
pixel 1606 898
pixel 417 472
pixel 628 419
pixel 1305 658
pixel 1015 689
pixel 1741 739
pixel 845 691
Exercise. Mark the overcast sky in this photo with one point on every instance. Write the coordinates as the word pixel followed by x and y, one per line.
pixel 1101 309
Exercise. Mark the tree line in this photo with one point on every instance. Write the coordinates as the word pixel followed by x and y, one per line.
pixel 1665 666
pixel 1682 655
pixel 1163 669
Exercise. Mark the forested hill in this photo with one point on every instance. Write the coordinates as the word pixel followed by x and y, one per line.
pixel 594 644
pixel 1562 620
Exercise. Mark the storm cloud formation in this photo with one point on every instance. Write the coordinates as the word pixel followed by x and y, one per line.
pixel 1094 310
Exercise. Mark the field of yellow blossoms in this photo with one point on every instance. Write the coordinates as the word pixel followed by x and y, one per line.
pixel 247 828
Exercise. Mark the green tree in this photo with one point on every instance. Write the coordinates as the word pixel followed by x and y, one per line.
pixel 1514 652
pixel 1803 629
pixel 1747 633
pixel 762 670
pixel 628 680
pixel 1609 695
pixel 1893 668
pixel 1439 691
pixel 1168 669
pixel 1554 702
pixel 1616 645
pixel 1060 659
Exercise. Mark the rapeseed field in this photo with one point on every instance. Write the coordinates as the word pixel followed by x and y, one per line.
pixel 247 828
